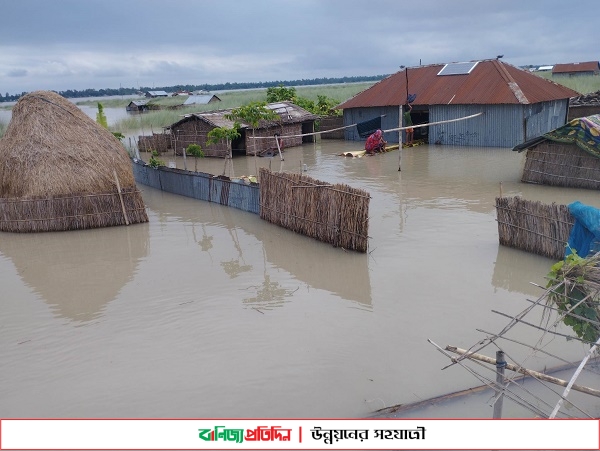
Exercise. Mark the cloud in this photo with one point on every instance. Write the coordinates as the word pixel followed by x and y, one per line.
pixel 17 73
pixel 75 44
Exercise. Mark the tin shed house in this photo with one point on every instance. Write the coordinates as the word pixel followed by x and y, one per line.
pixel 576 69
pixel 516 104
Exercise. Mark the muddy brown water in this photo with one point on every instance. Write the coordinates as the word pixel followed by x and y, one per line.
pixel 207 311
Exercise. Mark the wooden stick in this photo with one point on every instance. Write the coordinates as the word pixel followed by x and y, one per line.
pixel 521 370
pixel 121 197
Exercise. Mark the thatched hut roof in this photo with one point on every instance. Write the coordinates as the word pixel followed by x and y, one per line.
pixel 50 150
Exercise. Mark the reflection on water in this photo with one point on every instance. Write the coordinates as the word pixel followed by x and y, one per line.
pixel 77 273
pixel 211 312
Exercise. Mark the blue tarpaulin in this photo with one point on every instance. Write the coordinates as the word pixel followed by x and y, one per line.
pixel 585 234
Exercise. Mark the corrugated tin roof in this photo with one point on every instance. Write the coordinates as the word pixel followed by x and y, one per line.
pixel 491 82
pixel 289 113
pixel 588 66
pixel 199 99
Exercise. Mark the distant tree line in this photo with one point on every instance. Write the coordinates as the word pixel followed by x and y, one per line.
pixel 70 93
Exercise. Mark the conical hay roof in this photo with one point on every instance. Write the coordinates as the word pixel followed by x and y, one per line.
pixel 52 148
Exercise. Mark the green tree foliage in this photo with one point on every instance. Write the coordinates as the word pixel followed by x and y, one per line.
pixel 574 291
pixel 101 117
pixel 252 114
pixel 195 150
pixel 219 134
pixel 281 94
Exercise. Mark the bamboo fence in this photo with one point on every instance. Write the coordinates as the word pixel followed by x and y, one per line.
pixel 335 214
pixel 72 212
pixel 532 226
pixel 559 164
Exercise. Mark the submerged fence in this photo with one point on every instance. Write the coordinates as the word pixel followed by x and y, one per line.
pixel 532 226
pixel 199 185
pixel 72 212
pixel 335 214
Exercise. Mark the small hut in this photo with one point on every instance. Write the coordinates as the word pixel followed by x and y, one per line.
pixel 293 122
pixel 60 170
pixel 567 156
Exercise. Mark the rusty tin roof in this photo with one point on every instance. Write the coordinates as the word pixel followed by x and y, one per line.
pixel 488 82
pixel 588 66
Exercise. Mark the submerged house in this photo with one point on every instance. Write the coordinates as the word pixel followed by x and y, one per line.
pixel 194 129
pixel 567 156
pixel 137 106
pixel 516 104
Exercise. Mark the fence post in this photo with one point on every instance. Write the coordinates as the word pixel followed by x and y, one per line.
pixel 500 365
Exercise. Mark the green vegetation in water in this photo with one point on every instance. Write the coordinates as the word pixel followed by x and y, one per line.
pixel 575 292
pixel 154 161
pixel 583 84
pixel 195 150
pixel 2 128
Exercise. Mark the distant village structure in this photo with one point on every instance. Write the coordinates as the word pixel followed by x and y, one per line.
pixel 576 69
pixel 516 104
pixel 155 94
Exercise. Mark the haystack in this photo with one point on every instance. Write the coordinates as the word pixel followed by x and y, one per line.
pixel 60 170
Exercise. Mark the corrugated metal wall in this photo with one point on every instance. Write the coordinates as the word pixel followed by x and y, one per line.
pixel 357 115
pixel 499 126
pixel 199 185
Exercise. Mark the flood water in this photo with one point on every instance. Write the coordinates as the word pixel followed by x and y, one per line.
pixel 208 311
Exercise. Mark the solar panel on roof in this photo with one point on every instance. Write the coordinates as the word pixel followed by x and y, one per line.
pixel 458 68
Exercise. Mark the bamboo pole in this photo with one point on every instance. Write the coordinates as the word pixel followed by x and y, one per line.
pixel 521 370
pixel 121 197
pixel 500 365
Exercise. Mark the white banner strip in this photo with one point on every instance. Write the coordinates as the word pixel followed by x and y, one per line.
pixel 303 434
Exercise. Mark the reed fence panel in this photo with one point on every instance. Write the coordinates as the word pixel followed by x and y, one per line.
pixel 558 164
pixel 72 212
pixel 335 214
pixel 533 226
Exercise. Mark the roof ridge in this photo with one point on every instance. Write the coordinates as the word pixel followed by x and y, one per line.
pixel 510 81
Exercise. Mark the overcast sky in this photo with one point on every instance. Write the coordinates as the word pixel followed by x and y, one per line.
pixel 79 44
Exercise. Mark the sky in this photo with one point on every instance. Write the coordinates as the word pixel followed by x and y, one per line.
pixel 80 44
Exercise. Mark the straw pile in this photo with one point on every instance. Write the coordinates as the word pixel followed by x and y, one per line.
pixel 60 170
pixel 559 164
pixel 336 214
pixel 533 226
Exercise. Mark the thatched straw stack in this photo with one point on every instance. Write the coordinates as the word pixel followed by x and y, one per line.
pixel 60 170
pixel 336 214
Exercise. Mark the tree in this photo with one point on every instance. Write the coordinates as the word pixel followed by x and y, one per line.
pixel 101 117
pixel 252 114
pixel 281 94
pixel 195 151
pixel 219 134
